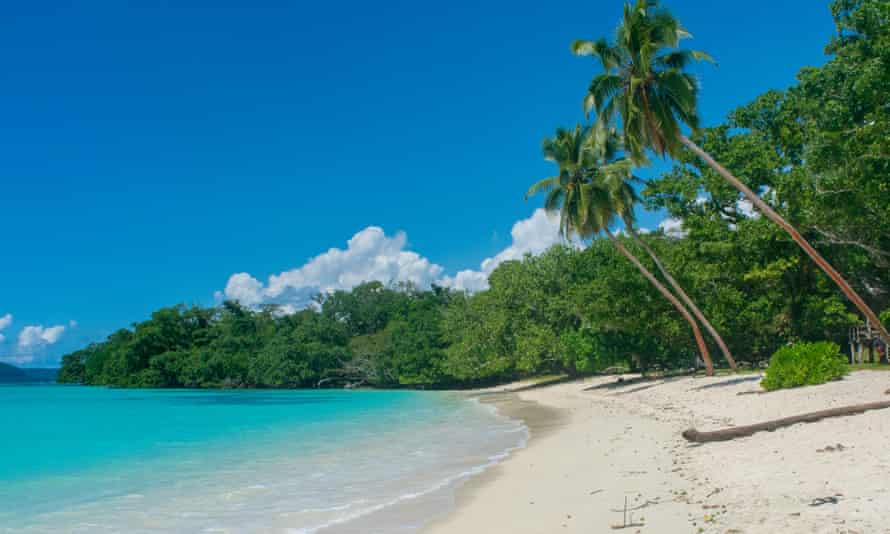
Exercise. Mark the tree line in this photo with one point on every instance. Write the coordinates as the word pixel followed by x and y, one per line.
pixel 786 239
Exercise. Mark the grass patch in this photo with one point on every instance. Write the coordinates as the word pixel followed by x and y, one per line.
pixel 869 367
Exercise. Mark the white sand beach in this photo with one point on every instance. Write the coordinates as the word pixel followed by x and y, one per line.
pixel 601 443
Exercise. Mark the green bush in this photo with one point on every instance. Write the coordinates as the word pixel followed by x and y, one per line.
pixel 804 364
pixel 885 318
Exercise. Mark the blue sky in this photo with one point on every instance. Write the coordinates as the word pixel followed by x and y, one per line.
pixel 149 153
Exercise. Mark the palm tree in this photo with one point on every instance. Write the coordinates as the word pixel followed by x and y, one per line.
pixel 607 144
pixel 590 191
pixel 696 311
pixel 645 82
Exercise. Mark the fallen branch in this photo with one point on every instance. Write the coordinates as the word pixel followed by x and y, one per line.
pixel 769 426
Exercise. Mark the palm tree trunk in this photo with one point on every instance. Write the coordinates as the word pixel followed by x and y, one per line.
pixel 685 298
pixel 702 347
pixel 795 235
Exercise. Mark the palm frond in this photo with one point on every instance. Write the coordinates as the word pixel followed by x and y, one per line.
pixel 553 200
pixel 602 89
pixel 701 55
pixel 677 59
pixel 608 55
pixel 543 186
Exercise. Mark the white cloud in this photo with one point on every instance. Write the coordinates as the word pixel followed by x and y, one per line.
pixel 370 255
pixel 530 236
pixel 745 208
pixel 36 336
pixel 33 341
pixel 467 280
pixel 245 289
pixel 673 227
pixel 5 321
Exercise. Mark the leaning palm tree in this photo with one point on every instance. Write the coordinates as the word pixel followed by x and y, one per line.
pixel 645 82
pixel 696 311
pixel 589 193
pixel 607 144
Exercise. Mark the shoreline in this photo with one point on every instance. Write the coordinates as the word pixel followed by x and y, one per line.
pixel 595 442
pixel 540 420
pixel 572 474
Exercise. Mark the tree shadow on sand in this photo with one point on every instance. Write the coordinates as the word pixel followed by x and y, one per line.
pixel 649 381
pixel 730 382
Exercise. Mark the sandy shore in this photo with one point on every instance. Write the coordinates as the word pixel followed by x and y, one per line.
pixel 595 444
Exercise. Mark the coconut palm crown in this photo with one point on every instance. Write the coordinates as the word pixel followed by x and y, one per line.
pixel 644 80
pixel 592 188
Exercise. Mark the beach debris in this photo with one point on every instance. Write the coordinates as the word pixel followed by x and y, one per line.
pixel 824 500
pixel 770 426
pixel 830 448
pixel 625 523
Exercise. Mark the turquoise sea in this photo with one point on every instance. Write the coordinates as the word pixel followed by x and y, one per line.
pixel 81 459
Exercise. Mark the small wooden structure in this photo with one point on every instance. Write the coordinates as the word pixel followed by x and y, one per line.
pixel 866 337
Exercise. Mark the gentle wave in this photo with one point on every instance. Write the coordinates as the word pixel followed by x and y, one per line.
pixel 227 463
pixel 442 484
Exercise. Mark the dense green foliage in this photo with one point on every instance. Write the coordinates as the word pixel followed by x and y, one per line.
pixel 804 364
pixel 818 152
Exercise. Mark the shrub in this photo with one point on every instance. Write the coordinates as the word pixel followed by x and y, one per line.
pixel 804 364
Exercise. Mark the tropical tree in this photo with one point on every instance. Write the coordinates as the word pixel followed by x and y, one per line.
pixel 607 145
pixel 696 311
pixel 590 192
pixel 646 83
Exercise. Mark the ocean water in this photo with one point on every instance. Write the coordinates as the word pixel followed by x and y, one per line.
pixel 96 460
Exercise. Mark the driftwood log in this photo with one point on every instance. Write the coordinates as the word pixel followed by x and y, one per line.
pixel 769 426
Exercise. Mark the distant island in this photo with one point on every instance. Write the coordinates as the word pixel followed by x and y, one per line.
pixel 10 374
